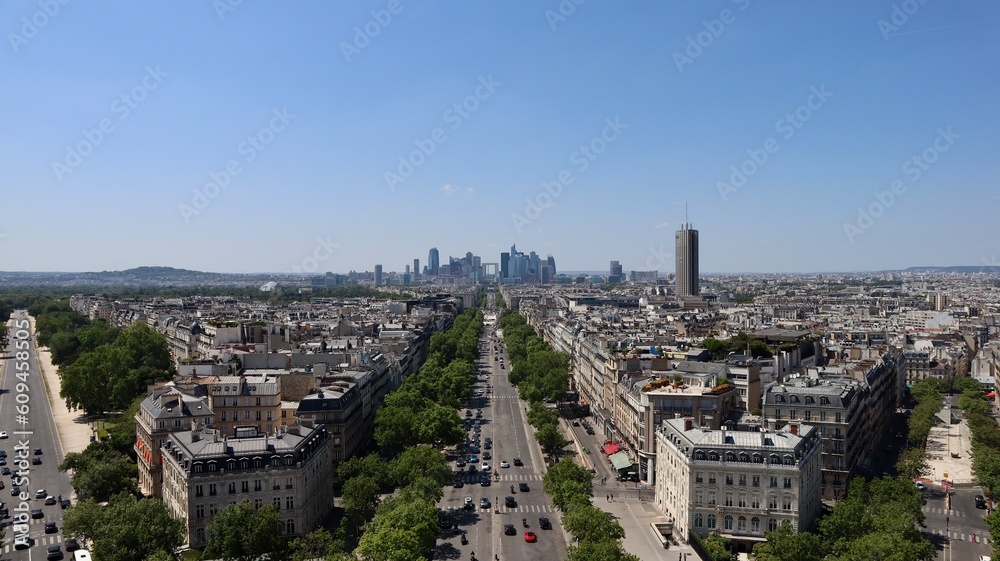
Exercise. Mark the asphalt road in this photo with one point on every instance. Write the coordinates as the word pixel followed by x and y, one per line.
pixel 503 420
pixel 953 531
pixel 26 417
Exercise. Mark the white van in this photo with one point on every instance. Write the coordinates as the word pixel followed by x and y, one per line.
pixel 81 555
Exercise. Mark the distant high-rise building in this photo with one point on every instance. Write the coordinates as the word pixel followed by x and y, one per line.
pixel 686 260
pixel 615 272
pixel 551 261
pixel 544 275
pixel 378 275
pixel 940 302
pixel 504 264
pixel 433 261
pixel 416 268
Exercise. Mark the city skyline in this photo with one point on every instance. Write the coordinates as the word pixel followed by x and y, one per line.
pixel 155 134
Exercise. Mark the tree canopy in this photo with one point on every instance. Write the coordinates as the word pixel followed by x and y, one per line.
pixel 127 529
pixel 240 532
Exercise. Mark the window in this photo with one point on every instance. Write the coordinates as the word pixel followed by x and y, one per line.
pixel 822 415
pixel 199 511
pixel 256 485
pixel 276 501
pixel 823 400
pixel 232 487
pixel 793 414
pixel 258 402
pixel 743 480
pixel 729 479
pixel 223 417
pixel 698 520
pixel 713 456
pixel 788 483
pixel 211 489
pixel 743 500
pixel 698 497
pixel 744 457
pixel 729 499
pixel 246 415
pixel 756 481
pixel 212 509
pixel 786 502
pixel 728 522
pixel 711 521
pixel 755 500
pixel 257 503
pixel 837 417
pixel 289 503
pixel 758 458
pixel 288 481
pixel 201 535
pixel 699 455
pixel 810 400
pixel 772 524
pixel 809 415
pixel 698 477
pixel 793 399
pixel 269 415
pixel 258 415
pixel 711 497
pixel 778 398
pixel 741 524
pixel 773 459
pixel 198 491
pixel 755 525
pixel 711 479
pixel 730 456
pixel 774 481
pixel 772 501
pixel 290 526
pixel 245 487
pixel 777 413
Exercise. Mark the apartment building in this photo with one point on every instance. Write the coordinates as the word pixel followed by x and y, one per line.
pixel 239 401
pixel 741 484
pixel 170 407
pixel 291 468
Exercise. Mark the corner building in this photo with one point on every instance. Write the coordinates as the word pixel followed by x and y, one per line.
pixel 740 484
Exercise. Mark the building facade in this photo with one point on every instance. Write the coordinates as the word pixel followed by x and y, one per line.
pixel 740 484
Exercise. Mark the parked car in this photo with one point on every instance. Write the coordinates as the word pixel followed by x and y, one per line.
pixel 544 523
pixel 980 501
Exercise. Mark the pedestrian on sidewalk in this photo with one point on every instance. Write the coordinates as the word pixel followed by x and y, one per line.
pixel 607 498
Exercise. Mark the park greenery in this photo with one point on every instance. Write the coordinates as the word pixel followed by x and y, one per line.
pixel 719 349
pixel 985 446
pixel 878 519
pixel 927 394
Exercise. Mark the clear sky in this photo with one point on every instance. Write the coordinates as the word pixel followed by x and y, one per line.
pixel 249 136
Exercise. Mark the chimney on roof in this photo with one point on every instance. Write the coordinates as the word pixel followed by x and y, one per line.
pixel 793 428
pixel 688 424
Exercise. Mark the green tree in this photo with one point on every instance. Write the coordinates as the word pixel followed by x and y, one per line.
pixel 127 529
pixel 390 544
pixel 966 383
pixel 160 556
pixel 540 415
pixel 99 472
pixel 371 465
pixel 241 532
pixel 784 544
pixel 590 524
pixel 993 521
pixel 568 484
pixel 421 461
pixel 717 547
pixel 607 550
pixel 912 464
pixel 439 424
pixel 318 544
pixel 359 498
pixel 418 516
pixel 550 439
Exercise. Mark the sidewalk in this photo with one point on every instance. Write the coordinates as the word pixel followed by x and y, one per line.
pixel 73 427
pixel 958 470
pixel 634 515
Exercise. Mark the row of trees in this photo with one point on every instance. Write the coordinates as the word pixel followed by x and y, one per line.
pixel 102 368
pixel 414 422
pixel 876 520
pixel 927 394
pixel 596 533
pixel 985 446
pixel 536 370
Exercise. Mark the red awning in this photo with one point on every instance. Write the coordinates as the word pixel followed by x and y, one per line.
pixel 991 395
pixel 611 448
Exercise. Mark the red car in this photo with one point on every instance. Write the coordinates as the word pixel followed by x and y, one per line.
pixel 530 536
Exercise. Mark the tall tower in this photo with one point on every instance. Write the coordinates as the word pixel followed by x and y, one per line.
pixel 416 268
pixel 504 264
pixel 378 275
pixel 433 261
pixel 686 258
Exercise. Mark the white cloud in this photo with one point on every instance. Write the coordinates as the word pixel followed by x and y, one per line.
pixel 662 225
pixel 448 189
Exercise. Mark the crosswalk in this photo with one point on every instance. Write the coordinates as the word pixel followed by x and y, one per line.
pixel 41 540
pixel 527 509
pixel 960 536
pixel 478 476
pixel 936 510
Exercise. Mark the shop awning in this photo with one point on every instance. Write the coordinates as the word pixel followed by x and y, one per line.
pixel 620 461
pixel 611 448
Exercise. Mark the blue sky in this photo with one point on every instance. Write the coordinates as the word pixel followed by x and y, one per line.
pixel 315 106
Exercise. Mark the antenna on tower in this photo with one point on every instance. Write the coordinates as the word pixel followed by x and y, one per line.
pixel 685 214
